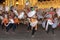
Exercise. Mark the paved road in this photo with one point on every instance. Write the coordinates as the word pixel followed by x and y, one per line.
pixel 22 34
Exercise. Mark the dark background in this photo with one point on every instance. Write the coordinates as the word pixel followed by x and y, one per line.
pixel 43 0
pixel 1 1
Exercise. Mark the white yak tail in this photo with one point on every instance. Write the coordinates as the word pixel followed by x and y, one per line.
pixel 16 13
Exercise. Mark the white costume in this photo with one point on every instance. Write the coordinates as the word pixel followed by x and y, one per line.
pixel 10 21
pixel 44 22
pixel 15 11
pixel 33 24
pixel 49 22
pixel 58 12
pixel 55 24
pixel 32 14
pixel 21 16
pixel 6 8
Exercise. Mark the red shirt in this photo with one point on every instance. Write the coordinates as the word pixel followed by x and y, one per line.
pixel 52 13
pixel 50 18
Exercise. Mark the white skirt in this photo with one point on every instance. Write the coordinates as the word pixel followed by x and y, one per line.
pixel 33 24
pixel 21 15
pixel 16 13
pixel 54 25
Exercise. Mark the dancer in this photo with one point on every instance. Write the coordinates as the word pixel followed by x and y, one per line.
pixel 50 21
pixel 33 20
pixel 10 25
pixel 4 22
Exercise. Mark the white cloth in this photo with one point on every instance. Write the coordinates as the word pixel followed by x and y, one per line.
pixel 55 24
pixel 6 8
pixel 16 13
pixel 58 12
pixel 49 22
pixel 11 21
pixel 21 15
pixel 33 24
pixel 31 13
pixel 1 17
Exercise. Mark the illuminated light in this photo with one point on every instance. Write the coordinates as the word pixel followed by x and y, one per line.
pixel 17 2
pixel 3 2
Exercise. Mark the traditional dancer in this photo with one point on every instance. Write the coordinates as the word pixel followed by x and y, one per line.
pixel 21 15
pixel 33 21
pixel 4 22
pixel 50 21
pixel 55 21
pixel 10 25
pixel 58 13
pixel 28 24
pixel 16 21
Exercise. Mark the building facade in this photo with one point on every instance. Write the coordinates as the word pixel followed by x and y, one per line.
pixel 39 4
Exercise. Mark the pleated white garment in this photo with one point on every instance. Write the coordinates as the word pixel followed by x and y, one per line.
pixel 10 21
pixel 58 12
pixel 33 24
pixel 16 13
pixel 21 15
pixel 49 22
pixel 31 13
pixel 55 24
